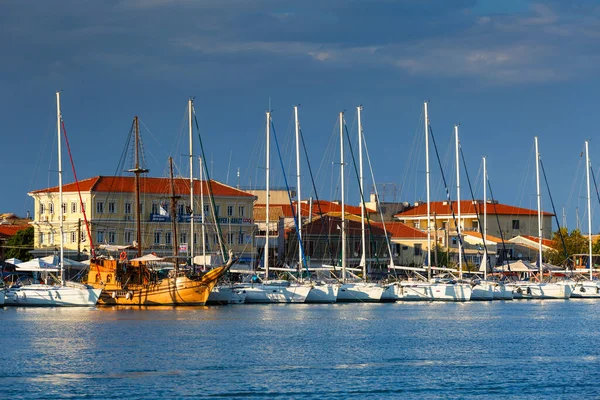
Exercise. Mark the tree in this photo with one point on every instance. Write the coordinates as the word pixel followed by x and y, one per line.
pixel 575 243
pixel 18 246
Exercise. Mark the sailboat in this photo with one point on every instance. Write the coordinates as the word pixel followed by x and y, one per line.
pixel 541 289
pixel 64 293
pixel 135 282
pixel 356 290
pixel 265 290
pixel 588 288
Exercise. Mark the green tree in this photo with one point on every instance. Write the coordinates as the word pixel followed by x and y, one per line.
pixel 575 243
pixel 18 246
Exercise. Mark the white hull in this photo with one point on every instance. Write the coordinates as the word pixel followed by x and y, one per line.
pixel 237 297
pixel 323 293
pixel 451 291
pixel 502 292
pixel 414 291
pixel 72 295
pixel 1 298
pixel 265 293
pixel 586 290
pixel 220 295
pixel 484 290
pixel 531 290
pixel 360 292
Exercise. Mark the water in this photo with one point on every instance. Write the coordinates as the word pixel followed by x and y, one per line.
pixel 519 349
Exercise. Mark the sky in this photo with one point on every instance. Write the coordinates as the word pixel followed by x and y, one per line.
pixel 504 70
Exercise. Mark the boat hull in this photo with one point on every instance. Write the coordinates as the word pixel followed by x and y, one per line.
pixel 220 295
pixel 52 296
pixel 323 293
pixel 586 290
pixel 502 292
pixel 260 293
pixel 451 291
pixel 543 291
pixel 360 292
pixel 483 291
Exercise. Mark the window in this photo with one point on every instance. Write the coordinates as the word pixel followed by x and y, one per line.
pixel 515 224
pixel 475 224
pixel 230 238
pixel 83 206
pixel 183 238
pixel 64 208
pixel 230 211
pixel 241 238
pixel 157 237
pixel 42 208
pixel 195 238
pixel 128 236
pixel 217 210
pixel 74 237
pixel 51 208
pixel 100 207
pixel 41 237
pixel 51 237
pixel 73 208
pixel 100 237
pixel 167 237
pixel 241 211
pixel 83 236
pixel 155 208
pixel 418 250
pixel 181 209
pixel 127 208
pixel 112 206
pixel 112 236
pixel 215 238
pixel 454 241
pixel 206 209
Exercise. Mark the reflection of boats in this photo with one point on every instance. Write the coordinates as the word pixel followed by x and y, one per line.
pixel 64 293
pixel 136 282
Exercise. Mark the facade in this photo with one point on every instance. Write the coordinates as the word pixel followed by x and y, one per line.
pixel 514 221
pixel 109 206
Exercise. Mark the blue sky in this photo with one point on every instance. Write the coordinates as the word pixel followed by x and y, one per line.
pixel 504 70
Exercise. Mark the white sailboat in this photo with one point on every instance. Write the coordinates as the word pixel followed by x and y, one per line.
pixel 359 290
pixel 540 289
pixel 588 288
pixel 64 293
pixel 275 291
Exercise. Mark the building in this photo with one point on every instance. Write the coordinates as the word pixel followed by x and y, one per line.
pixel 514 221
pixel 109 206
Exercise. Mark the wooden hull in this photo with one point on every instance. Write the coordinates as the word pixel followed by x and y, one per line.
pixel 173 291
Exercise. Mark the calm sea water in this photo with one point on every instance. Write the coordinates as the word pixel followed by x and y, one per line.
pixel 519 349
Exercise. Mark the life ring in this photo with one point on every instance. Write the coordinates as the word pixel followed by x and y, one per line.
pixel 123 256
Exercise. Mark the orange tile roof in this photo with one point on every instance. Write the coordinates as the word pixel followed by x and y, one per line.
pixel 326 207
pixel 479 235
pixel 545 242
pixel 400 230
pixel 125 184
pixel 466 207
pixel 11 230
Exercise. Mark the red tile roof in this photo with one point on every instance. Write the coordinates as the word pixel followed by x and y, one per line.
pixel 466 207
pixel 125 184
pixel 399 230
pixel 326 207
pixel 11 230
pixel 545 242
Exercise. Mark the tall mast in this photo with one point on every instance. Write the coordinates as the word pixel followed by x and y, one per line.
pixel 299 196
pixel 343 202
pixel 539 205
pixel 173 214
pixel 458 226
pixel 137 171
pixel 426 123
pixel 589 205
pixel 363 261
pixel 190 109
pixel 267 195
pixel 484 233
pixel 60 189
pixel 203 214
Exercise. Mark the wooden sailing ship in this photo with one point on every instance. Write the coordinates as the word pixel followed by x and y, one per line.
pixel 136 282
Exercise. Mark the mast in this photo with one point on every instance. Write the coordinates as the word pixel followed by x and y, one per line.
pixel 299 196
pixel 539 205
pixel 190 109
pixel 589 205
pixel 60 190
pixel 363 261
pixel 458 226
pixel 137 171
pixel 485 216
pixel 203 214
pixel 173 215
pixel 426 123
pixel 267 197
pixel 343 203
